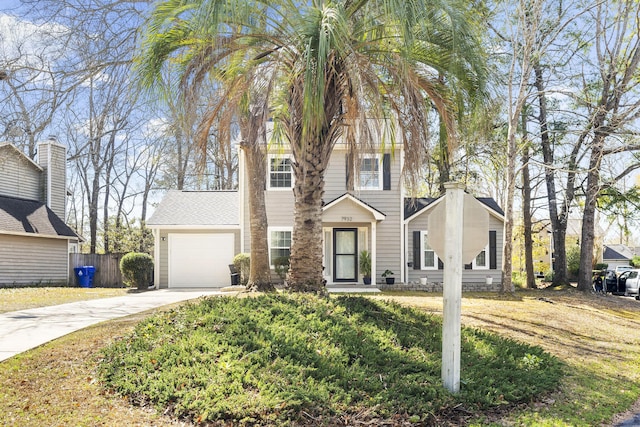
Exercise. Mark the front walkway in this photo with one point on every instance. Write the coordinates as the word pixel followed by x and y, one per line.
pixel 26 329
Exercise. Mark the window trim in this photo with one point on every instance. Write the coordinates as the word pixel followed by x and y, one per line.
pixel 423 266
pixel 270 157
pixel 269 240
pixel 378 159
pixel 487 261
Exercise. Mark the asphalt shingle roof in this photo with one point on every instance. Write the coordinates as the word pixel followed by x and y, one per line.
pixel 197 208
pixel 411 206
pixel 30 216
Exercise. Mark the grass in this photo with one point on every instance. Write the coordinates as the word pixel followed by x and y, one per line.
pixel 14 299
pixel 286 360
pixel 597 339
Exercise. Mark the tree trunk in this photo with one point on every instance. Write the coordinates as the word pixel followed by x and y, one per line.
pixel 442 159
pixel 260 271
pixel 305 273
pixel 558 227
pixel 507 266
pixel 526 214
pixel 588 218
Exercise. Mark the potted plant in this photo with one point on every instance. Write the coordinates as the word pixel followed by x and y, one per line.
pixel 388 277
pixel 365 266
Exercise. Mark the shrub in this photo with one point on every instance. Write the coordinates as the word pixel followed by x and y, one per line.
pixel 573 260
pixel 242 262
pixel 280 359
pixel 281 266
pixel 137 269
pixel 519 279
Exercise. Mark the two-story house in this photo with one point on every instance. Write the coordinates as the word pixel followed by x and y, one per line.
pixel 198 233
pixel 34 239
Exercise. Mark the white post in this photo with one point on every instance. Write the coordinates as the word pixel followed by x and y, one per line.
pixel 452 287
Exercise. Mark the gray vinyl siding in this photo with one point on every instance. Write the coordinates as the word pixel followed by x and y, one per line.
pixel 19 177
pixel 389 202
pixel 54 176
pixel 163 262
pixel 468 276
pixel 33 260
pixel 280 205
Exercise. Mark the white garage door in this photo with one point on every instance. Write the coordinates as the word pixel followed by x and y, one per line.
pixel 200 260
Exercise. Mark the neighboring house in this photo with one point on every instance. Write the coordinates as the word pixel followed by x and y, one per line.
pixel 34 240
pixel 486 265
pixel 615 255
pixel 364 212
pixel 572 239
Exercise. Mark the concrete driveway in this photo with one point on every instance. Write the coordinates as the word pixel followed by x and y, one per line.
pixel 26 329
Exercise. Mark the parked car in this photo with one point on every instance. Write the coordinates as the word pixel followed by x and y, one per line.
pixel 629 281
pixel 622 268
pixel 610 281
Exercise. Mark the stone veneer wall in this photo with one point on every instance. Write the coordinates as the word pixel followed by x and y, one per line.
pixel 437 287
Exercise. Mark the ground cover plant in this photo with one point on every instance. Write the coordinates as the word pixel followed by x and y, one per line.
pixel 299 359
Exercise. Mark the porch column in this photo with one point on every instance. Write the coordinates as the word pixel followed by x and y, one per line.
pixel 374 252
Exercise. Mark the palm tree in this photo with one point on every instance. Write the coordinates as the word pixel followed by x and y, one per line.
pixel 335 64
pixel 240 101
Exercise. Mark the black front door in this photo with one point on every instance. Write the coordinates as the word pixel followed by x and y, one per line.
pixel 345 254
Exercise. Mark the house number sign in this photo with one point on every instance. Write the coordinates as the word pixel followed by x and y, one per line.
pixel 347 218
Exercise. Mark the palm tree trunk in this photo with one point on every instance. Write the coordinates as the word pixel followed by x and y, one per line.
pixel 306 270
pixel 254 147
pixel 260 271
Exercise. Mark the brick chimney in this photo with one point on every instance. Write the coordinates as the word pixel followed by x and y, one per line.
pixel 52 156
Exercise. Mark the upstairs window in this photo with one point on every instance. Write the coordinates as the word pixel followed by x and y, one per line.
pixel 370 173
pixel 280 173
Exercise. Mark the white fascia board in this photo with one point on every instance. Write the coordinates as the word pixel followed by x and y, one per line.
pixel 376 214
pixel 10 145
pixel 193 227
pixel 40 235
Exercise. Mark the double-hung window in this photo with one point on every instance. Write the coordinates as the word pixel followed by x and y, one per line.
pixel 280 173
pixel 428 257
pixel 370 176
pixel 279 243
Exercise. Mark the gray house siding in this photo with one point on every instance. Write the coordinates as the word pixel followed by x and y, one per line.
pixel 280 205
pixel 389 202
pixel 420 222
pixel 33 260
pixel 163 244
pixel 19 177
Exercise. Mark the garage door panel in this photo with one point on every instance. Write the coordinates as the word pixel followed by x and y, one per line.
pixel 200 260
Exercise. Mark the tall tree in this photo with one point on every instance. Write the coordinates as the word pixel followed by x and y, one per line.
pixel 338 64
pixel 241 98
pixel 614 107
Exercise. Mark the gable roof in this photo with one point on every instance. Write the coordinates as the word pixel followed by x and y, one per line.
pixel 346 196
pixel 414 205
pixel 17 151
pixel 197 208
pixel 31 216
pixel 620 252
